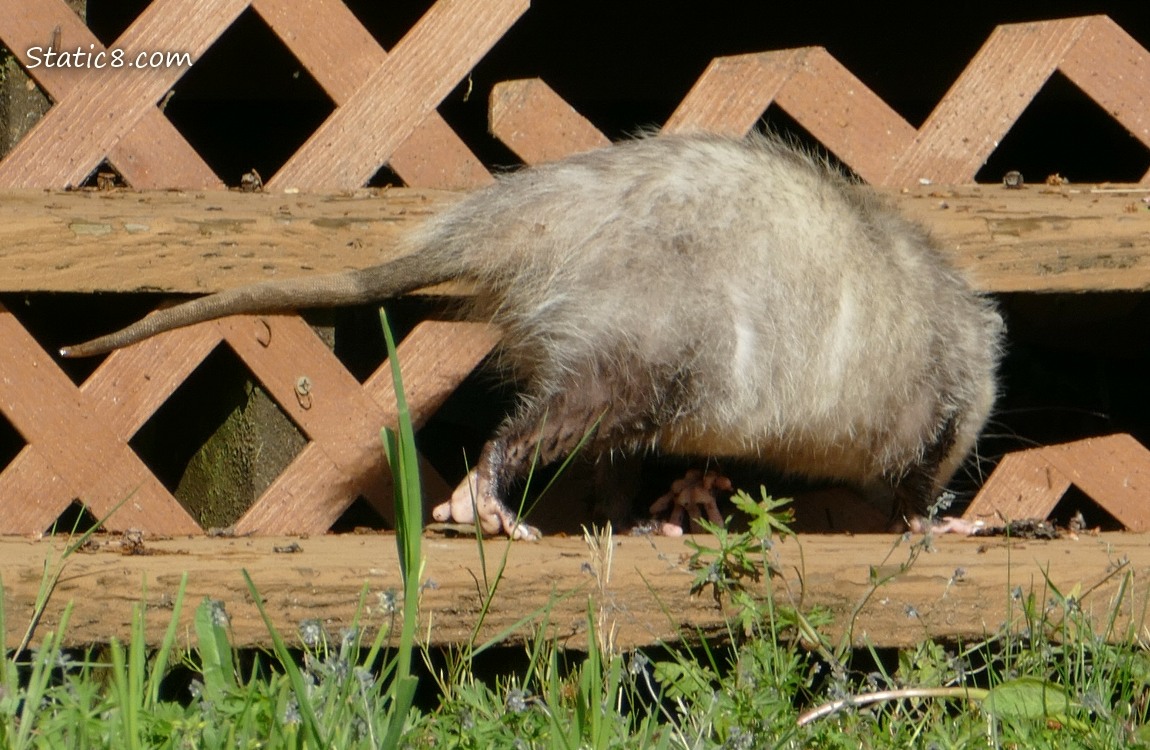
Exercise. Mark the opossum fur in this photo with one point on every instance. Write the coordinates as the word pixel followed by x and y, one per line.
pixel 695 295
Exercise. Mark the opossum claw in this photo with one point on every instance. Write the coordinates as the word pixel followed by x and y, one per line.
pixel 688 499
pixel 473 496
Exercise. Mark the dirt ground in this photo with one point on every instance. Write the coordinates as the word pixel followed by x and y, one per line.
pixel 960 588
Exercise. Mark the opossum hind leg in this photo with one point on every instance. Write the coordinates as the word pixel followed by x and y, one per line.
pixel 543 431
pixel 690 499
pixel 474 499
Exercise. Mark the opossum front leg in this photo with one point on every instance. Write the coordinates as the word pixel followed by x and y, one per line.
pixel 918 488
pixel 944 525
pixel 689 499
pixel 913 496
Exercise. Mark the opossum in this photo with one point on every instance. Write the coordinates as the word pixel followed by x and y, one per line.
pixel 695 295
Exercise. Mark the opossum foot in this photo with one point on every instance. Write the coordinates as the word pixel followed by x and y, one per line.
pixel 689 499
pixel 473 502
pixel 944 525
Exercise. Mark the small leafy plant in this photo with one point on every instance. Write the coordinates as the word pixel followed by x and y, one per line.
pixel 739 557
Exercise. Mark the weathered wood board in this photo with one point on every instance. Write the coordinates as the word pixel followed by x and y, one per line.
pixel 195 242
pixel 961 589
pixel 1039 239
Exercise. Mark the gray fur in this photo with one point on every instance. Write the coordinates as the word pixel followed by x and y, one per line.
pixel 697 295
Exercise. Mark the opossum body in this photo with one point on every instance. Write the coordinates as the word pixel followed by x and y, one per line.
pixel 695 295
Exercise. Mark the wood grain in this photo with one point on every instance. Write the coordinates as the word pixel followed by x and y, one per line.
pixel 534 122
pixel 79 131
pixel 195 242
pixel 438 52
pixel 1112 470
pixel 983 104
pixel 149 154
pixel 845 116
pixel 341 55
pixel 68 434
pixel 1113 69
pixel 733 92
pixel 834 106
pixel 1023 486
pixel 961 590
pixel 341 422
pixel 1070 238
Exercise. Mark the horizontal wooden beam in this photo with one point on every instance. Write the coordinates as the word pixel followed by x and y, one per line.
pixel 168 241
pixel 1038 239
pixel 1064 239
pixel 962 589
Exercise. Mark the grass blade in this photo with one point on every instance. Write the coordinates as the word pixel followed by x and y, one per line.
pixel 295 677
pixel 400 449
pixel 216 663
pixel 163 654
pixel 49 580
pixel 122 690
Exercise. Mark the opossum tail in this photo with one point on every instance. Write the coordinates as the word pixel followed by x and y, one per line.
pixel 391 279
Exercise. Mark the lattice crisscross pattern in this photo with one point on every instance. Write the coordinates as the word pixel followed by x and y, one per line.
pixel 77 437
pixel 853 122
pixel 115 117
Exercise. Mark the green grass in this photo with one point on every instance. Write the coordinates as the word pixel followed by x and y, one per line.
pixel 1047 679
pixel 774 682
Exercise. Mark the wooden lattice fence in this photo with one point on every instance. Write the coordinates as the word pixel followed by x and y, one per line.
pixel 77 437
